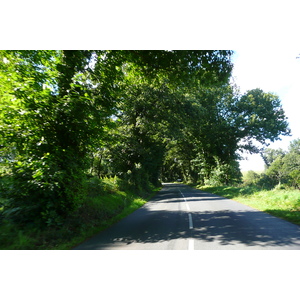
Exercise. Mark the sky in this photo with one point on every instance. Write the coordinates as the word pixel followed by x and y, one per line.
pixel 273 70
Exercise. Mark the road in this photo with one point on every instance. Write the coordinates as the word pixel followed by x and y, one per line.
pixel 182 218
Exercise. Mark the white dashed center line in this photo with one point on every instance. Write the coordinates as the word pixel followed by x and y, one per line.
pixel 191 221
pixel 191 226
pixel 186 204
pixel 191 244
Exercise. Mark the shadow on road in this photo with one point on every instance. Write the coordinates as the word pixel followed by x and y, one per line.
pixel 226 227
pixel 209 226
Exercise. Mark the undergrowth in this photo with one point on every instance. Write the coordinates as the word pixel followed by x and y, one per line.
pixel 107 201
pixel 283 203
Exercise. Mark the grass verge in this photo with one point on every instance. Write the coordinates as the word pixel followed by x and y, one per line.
pixel 105 205
pixel 284 204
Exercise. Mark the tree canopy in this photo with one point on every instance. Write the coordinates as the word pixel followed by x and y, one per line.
pixel 144 116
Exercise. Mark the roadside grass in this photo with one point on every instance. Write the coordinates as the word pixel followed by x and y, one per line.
pixel 105 205
pixel 280 203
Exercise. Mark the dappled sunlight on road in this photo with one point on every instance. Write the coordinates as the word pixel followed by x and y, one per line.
pixel 218 223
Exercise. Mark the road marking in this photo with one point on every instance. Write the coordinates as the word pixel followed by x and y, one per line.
pixel 186 204
pixel 191 221
pixel 191 244
pixel 188 209
pixel 191 226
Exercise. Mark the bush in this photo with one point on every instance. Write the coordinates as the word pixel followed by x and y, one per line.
pixel 40 193
pixel 261 181
pixel 104 204
pixel 281 187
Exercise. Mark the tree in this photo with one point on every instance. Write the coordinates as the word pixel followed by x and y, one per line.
pixel 50 121
pixel 294 146
pixel 292 168
pixel 260 117
pixel 269 155
pixel 283 167
pixel 154 110
pixel 252 177
pixel 223 122
pixel 59 107
pixel 277 170
pixel 292 163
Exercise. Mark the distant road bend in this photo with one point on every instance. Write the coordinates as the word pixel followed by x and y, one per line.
pixel 182 218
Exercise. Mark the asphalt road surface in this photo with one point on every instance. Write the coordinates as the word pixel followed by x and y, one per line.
pixel 182 218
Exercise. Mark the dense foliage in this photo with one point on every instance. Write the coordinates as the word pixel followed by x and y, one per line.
pixel 144 116
pixel 222 122
pixel 282 168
